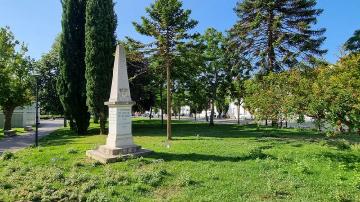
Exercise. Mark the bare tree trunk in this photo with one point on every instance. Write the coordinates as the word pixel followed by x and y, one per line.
pixel 195 115
pixel 238 113
pixel 161 105
pixel 8 112
pixel 150 116
pixel 168 120
pixel 212 113
pixel 65 121
pixel 206 115
pixel 102 118
pixel 266 122
pixel 179 113
pixel 96 118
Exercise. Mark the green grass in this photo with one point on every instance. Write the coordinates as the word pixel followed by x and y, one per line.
pixel 224 163
pixel 19 131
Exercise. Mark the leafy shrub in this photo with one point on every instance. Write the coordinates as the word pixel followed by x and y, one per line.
pixel 152 178
pixel 7 156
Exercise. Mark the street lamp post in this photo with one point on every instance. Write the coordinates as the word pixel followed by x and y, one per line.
pixel 37 111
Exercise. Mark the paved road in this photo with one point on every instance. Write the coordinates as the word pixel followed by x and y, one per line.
pixel 18 142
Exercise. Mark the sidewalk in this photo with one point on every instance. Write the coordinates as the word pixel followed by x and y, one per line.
pixel 18 142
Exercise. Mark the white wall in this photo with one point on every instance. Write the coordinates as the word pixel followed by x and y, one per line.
pixel 22 116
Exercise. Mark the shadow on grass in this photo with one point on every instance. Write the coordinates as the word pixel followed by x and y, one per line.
pixel 65 136
pixel 340 157
pixel 206 157
pixel 185 130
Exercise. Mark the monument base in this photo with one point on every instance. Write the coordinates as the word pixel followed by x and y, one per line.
pixel 105 154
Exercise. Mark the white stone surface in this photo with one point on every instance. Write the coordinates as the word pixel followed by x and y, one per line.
pixel 119 143
pixel 120 90
pixel 120 134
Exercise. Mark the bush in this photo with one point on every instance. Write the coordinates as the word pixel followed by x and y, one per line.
pixel 152 178
pixel 7 156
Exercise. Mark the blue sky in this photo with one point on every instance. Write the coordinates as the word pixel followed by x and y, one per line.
pixel 37 22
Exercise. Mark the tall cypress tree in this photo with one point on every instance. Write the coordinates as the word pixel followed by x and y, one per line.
pixel 100 43
pixel 277 34
pixel 72 81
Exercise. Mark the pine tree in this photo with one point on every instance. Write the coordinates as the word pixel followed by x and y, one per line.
pixel 277 34
pixel 353 43
pixel 72 83
pixel 168 23
pixel 100 41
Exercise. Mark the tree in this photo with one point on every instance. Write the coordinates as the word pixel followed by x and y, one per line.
pixel 277 34
pixel 214 69
pixel 48 68
pixel 15 69
pixel 353 44
pixel 100 43
pixel 340 86
pixel 72 84
pixel 168 23
pixel 140 76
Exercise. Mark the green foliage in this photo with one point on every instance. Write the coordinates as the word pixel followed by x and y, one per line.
pixel 100 42
pixel 191 169
pixel 48 68
pixel 15 75
pixel 214 72
pixel 7 156
pixel 353 43
pixel 71 84
pixel 278 34
pixel 337 93
pixel 169 24
pixel 141 78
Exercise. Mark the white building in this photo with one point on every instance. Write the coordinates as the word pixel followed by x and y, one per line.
pixel 22 116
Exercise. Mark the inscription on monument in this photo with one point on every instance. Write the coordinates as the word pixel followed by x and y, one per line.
pixel 124 93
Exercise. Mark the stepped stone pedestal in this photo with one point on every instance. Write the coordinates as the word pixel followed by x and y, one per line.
pixel 119 143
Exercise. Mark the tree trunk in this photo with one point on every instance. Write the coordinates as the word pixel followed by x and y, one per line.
pixel 150 116
pixel 266 122
pixel 96 118
pixel 195 115
pixel 102 118
pixel 8 112
pixel 270 42
pixel 179 113
pixel 72 124
pixel 206 115
pixel 212 113
pixel 65 121
pixel 286 123
pixel 161 105
pixel 238 113
pixel 168 108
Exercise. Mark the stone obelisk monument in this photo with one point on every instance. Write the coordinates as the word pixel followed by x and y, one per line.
pixel 119 143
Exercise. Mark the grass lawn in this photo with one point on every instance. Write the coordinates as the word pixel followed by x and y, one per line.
pixel 19 131
pixel 224 163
